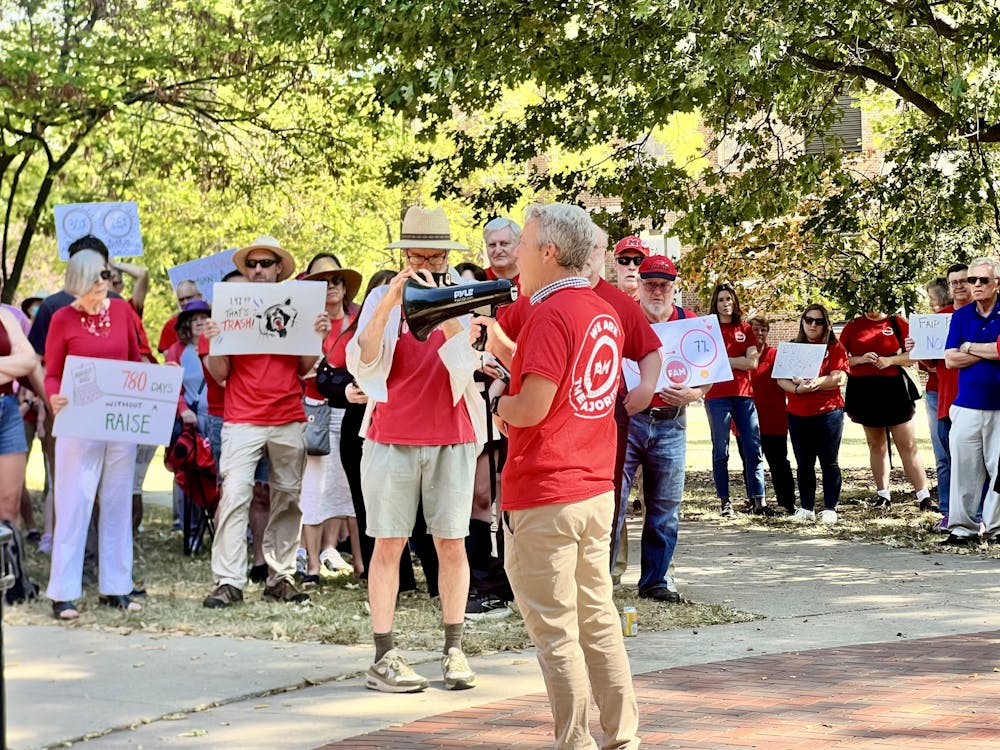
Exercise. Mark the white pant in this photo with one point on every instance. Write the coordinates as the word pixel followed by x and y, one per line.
pixel 86 469
pixel 975 452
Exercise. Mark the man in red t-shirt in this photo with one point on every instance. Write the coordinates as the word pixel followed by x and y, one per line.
pixel 186 291
pixel 501 236
pixel 558 493
pixel 424 425
pixel 263 415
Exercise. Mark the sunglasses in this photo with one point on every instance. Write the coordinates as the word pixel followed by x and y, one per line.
pixel 809 320
pixel 976 280
pixel 335 281
pixel 261 262
pixel 106 275
pixel 629 260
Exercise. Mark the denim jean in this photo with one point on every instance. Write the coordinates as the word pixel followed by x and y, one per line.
pixel 722 412
pixel 818 437
pixel 942 456
pixel 660 446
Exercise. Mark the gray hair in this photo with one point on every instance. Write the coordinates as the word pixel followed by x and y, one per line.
pixel 501 223
pixel 993 264
pixel 567 227
pixel 82 271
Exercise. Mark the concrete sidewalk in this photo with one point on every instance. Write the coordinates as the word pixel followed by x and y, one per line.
pixel 163 691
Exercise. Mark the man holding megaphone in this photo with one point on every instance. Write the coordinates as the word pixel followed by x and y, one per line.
pixel 423 426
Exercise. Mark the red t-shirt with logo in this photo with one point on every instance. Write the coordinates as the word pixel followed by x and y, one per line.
pixel 768 396
pixel 263 389
pixel 419 410
pixel 573 339
pixel 216 393
pixel 947 380
pixel 862 335
pixel 820 402
pixel 738 338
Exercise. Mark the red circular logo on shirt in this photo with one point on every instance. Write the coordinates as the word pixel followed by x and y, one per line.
pixel 740 336
pixel 597 369
pixel 677 371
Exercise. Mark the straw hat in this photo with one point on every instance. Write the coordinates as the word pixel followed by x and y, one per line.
pixel 428 229
pixel 325 269
pixel 265 242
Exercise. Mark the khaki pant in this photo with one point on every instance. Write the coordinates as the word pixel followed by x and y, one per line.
pixel 242 446
pixel 557 562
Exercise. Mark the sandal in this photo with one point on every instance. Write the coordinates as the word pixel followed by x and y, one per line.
pixel 65 611
pixel 119 601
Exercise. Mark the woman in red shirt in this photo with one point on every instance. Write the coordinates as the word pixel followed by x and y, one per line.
pixel 816 417
pixel 878 398
pixel 91 326
pixel 732 402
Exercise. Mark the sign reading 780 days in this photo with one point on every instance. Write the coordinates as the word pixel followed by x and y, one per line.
pixel 693 354
pixel 130 402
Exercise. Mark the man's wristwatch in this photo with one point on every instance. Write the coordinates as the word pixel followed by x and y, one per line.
pixel 966 348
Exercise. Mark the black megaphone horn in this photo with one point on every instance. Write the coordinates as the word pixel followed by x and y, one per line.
pixel 425 308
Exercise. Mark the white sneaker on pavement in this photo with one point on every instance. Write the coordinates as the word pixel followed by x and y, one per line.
pixel 457 673
pixel 393 674
pixel 801 515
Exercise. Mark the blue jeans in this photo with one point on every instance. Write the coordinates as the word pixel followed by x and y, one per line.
pixel 722 412
pixel 818 437
pixel 660 446
pixel 942 456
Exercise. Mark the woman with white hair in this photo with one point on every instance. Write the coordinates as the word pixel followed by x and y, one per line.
pixel 91 326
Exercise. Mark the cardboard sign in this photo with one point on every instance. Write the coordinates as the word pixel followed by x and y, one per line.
pixel 798 360
pixel 204 272
pixel 693 354
pixel 259 318
pixel 128 402
pixel 115 224
pixel 929 333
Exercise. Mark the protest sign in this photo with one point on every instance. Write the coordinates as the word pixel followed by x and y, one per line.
pixel 129 402
pixel 693 354
pixel 798 360
pixel 115 224
pixel 929 333
pixel 204 272
pixel 259 318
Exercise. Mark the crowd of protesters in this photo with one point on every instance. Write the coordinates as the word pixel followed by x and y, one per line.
pixel 467 458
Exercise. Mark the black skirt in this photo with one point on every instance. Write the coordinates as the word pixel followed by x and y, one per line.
pixel 879 400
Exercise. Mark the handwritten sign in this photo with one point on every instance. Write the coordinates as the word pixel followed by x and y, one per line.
pixel 128 402
pixel 259 318
pixel 204 272
pixel 798 360
pixel 929 333
pixel 693 354
pixel 116 224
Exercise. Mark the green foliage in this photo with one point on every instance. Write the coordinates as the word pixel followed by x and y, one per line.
pixel 764 77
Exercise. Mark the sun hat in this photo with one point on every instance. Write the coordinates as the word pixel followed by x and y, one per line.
pixel 632 244
pixel 425 228
pixel 658 267
pixel 27 302
pixel 265 242
pixel 325 269
pixel 191 309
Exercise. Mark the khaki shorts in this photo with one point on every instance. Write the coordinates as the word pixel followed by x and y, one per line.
pixel 395 478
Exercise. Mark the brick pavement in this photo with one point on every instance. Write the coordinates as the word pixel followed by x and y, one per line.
pixel 923 694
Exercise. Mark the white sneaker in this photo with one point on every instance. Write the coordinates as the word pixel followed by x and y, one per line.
pixel 801 515
pixel 393 674
pixel 457 673
pixel 331 560
pixel 828 517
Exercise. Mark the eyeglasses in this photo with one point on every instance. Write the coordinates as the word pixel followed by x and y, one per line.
pixel 809 320
pixel 106 274
pixel 432 260
pixel 977 280
pixel 261 262
pixel 958 282
pixel 189 298
pixel 657 286
pixel 629 260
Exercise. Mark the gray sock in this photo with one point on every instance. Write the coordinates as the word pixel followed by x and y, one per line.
pixel 453 636
pixel 383 643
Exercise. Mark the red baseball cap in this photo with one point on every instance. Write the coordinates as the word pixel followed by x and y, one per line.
pixel 632 244
pixel 658 267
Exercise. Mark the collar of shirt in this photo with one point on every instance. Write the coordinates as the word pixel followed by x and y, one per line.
pixel 570 282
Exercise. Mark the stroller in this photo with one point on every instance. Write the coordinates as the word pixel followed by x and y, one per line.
pixel 189 457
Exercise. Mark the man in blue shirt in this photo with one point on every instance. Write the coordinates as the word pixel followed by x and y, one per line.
pixel 975 415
